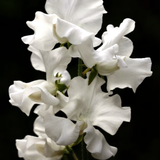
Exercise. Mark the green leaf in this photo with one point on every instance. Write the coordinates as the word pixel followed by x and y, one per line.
pixel 92 75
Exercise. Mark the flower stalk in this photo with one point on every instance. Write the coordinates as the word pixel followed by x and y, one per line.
pixel 80 67
pixel 71 152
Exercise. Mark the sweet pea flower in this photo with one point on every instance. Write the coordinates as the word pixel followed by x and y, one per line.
pixel 37 148
pixel 112 59
pixel 67 21
pixel 54 63
pixel 88 106
pixel 40 147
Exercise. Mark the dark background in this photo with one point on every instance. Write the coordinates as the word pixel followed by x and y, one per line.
pixel 137 140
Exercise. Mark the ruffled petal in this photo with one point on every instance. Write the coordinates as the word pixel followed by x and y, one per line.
pixel 97 145
pixel 114 35
pixel 27 149
pixel 89 103
pixel 131 76
pixel 108 113
pixel 86 14
pixel 19 94
pixel 25 95
pixel 37 148
pixel 65 133
pixel 70 31
pixel 81 96
pixel 43 37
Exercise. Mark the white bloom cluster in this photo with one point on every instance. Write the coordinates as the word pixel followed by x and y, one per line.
pixel 73 24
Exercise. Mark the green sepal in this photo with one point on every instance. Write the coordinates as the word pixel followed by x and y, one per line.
pixel 61 86
pixel 67 45
pixel 92 75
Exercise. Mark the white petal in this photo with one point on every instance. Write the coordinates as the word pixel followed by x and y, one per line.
pixel 85 13
pixel 107 54
pixel 97 145
pixel 132 76
pixel 121 62
pixel 37 59
pixel 89 103
pixel 127 26
pixel 50 149
pixel 28 39
pixel 71 31
pixel 96 42
pixel 27 150
pixel 106 63
pixel 19 94
pixel 43 37
pixel 73 52
pixel 73 109
pixel 65 77
pixel 125 47
pixel 61 130
pixel 87 52
pixel 44 109
pixel 81 95
pixel 39 127
pixel 55 61
pixel 36 148
pixel 52 62
pixel 48 98
pixel 107 68
pixel 114 35
pixel 20 144
pixel 108 113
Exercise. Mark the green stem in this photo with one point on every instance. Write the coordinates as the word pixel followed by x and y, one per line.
pixel 82 150
pixel 80 67
pixel 70 150
pixel 74 156
pixel 87 70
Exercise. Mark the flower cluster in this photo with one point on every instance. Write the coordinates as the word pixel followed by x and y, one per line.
pixel 68 30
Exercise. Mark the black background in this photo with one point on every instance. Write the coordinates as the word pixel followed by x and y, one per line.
pixel 137 140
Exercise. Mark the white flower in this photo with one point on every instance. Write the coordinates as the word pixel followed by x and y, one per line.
pixel 89 106
pixel 39 148
pixel 67 21
pixel 25 95
pixel 113 60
